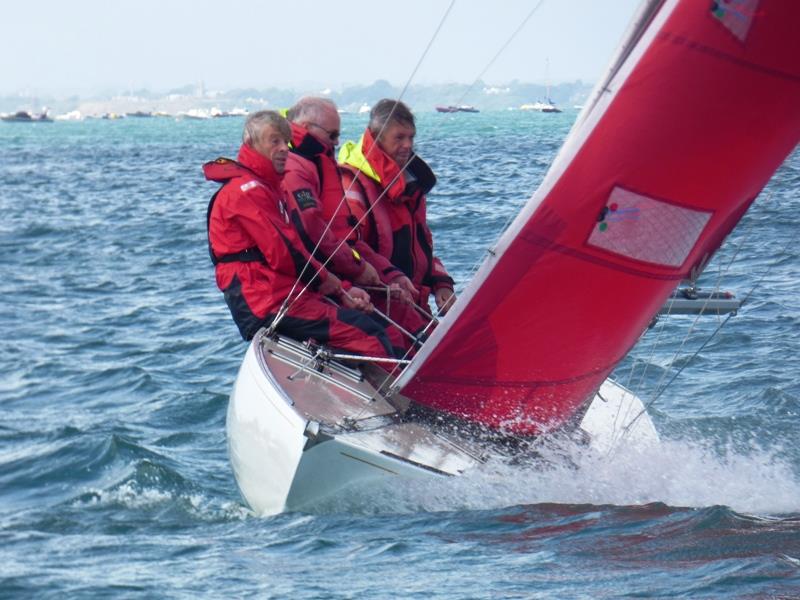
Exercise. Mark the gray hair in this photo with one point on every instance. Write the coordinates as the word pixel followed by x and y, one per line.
pixel 256 122
pixel 386 111
pixel 310 109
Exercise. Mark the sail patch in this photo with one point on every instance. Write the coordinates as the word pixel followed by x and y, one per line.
pixel 735 15
pixel 647 229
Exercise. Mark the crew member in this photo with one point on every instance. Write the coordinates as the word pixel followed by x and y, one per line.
pixel 258 255
pixel 314 190
pixel 381 172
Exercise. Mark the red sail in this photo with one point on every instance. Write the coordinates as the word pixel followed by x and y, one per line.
pixel 698 111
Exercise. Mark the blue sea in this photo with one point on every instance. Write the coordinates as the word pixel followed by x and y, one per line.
pixel 118 355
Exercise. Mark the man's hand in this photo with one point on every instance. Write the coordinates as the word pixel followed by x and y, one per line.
pixel 357 298
pixel 403 289
pixel 368 277
pixel 331 286
pixel 444 299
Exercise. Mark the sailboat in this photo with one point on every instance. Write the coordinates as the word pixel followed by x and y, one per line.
pixel 663 161
pixel 546 106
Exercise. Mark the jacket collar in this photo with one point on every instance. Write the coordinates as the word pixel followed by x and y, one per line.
pixel 368 157
pixel 305 144
pixel 258 164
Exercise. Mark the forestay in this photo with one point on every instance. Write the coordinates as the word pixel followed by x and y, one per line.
pixel 699 108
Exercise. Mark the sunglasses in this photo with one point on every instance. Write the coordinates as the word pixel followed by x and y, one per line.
pixel 334 135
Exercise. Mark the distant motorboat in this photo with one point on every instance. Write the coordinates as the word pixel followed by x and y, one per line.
pixel 74 115
pixel 545 107
pixel 195 114
pixel 22 116
pixel 460 108
pixel 142 114
pixel 364 108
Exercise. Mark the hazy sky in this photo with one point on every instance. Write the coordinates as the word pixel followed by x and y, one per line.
pixel 86 46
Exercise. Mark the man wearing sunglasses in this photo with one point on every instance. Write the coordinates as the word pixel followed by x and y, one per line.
pixel 314 190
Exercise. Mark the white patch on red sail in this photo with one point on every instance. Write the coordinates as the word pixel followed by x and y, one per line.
pixel 647 229
pixel 735 15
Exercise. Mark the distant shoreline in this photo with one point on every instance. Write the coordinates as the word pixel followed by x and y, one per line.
pixel 351 99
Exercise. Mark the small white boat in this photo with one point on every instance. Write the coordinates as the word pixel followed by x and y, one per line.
pixel 454 109
pixel 545 107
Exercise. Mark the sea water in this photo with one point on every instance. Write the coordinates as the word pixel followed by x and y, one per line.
pixel 118 355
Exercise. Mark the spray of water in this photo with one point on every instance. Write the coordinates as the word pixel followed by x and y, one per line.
pixel 752 480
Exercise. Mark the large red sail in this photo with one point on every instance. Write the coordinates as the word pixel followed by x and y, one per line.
pixel 700 108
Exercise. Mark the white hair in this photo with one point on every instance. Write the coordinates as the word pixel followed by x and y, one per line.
pixel 256 122
pixel 310 109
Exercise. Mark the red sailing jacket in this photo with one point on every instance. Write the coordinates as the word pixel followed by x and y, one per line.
pixel 257 253
pixel 397 226
pixel 314 195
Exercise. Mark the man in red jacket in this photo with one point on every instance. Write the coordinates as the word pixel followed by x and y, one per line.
pixel 260 261
pixel 314 190
pixel 386 185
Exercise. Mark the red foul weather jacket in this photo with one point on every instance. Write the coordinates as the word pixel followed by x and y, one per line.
pixel 257 253
pixel 397 227
pixel 314 196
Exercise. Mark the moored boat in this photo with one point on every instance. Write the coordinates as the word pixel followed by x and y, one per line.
pixel 23 116
pixel 454 109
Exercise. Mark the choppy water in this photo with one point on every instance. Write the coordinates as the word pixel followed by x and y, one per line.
pixel 118 355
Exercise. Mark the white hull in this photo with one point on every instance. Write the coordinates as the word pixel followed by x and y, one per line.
pixel 297 436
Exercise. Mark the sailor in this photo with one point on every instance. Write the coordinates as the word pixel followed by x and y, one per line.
pixel 259 257
pixel 314 190
pixel 318 209
pixel 386 184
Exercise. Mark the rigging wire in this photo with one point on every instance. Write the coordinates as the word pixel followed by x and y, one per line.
pixel 500 51
pixel 766 272
pixel 662 327
pixel 287 303
pixel 434 318
pixel 512 214
pixel 289 300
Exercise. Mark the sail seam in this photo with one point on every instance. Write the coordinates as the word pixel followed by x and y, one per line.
pixel 681 40
pixel 556 247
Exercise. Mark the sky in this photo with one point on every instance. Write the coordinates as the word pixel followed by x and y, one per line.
pixel 98 46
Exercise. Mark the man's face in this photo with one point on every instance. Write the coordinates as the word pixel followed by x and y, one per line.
pixel 326 128
pixel 273 146
pixel 397 141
